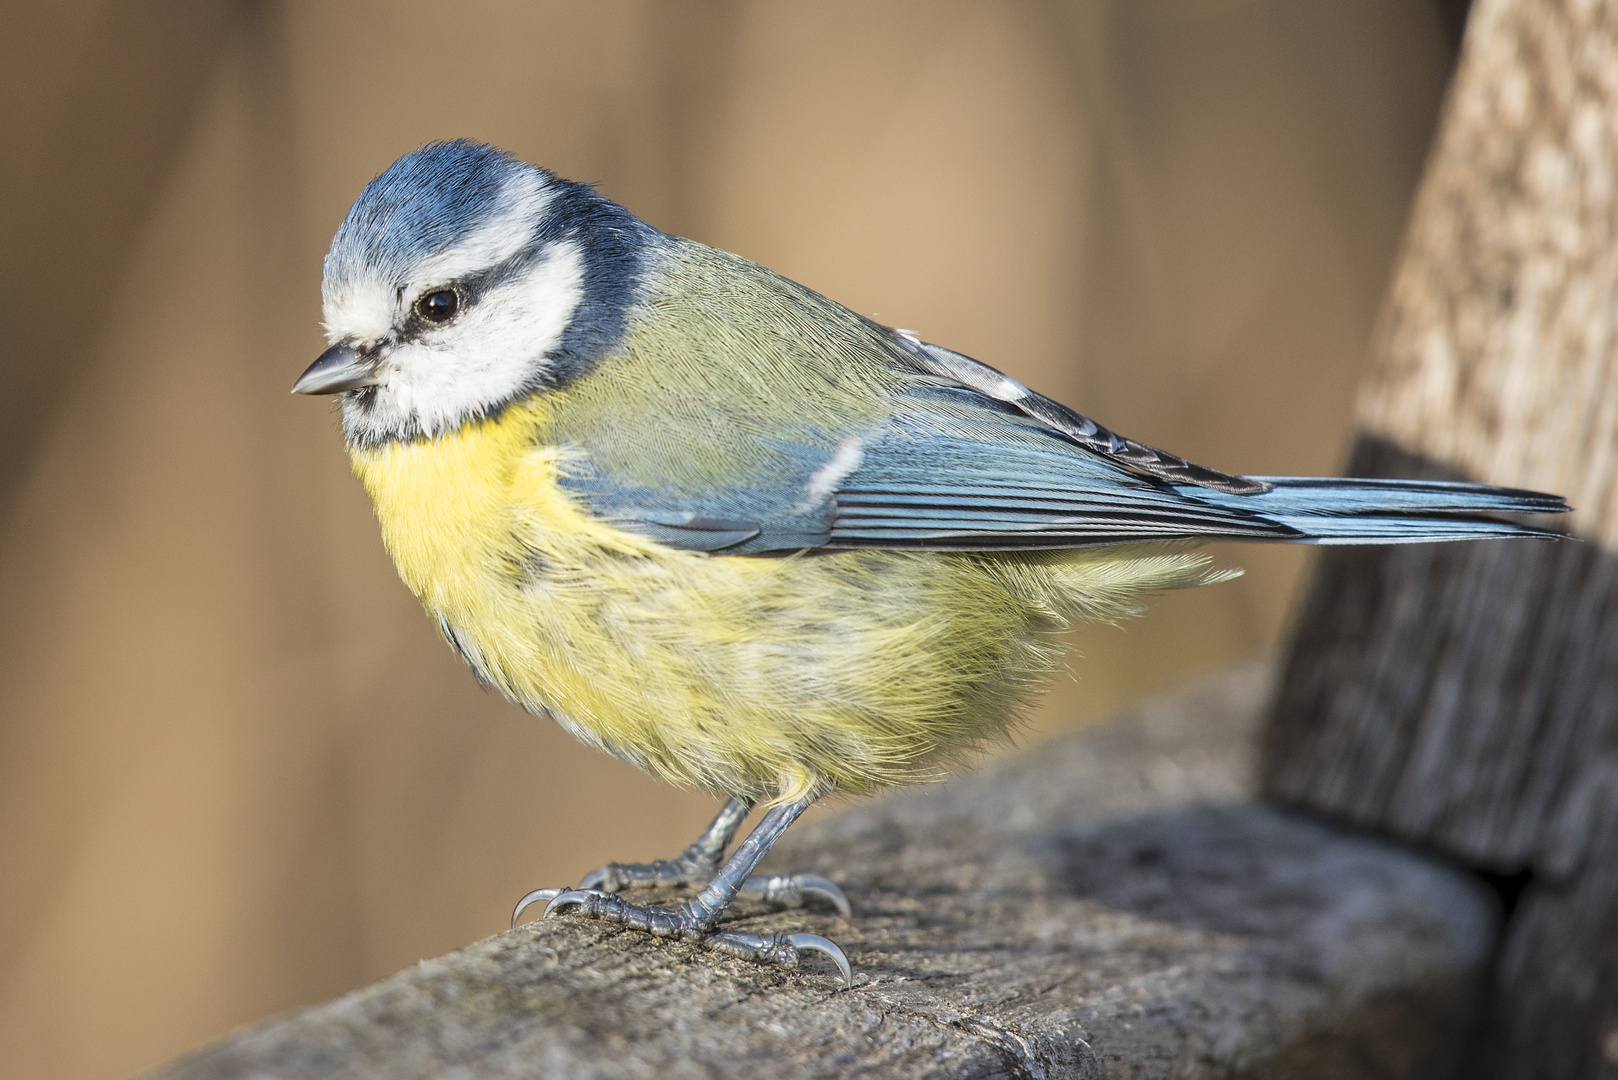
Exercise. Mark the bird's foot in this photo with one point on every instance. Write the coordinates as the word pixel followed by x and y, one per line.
pixel 777 890
pixel 697 919
pixel 690 870
pixel 694 869
pixel 683 922
pixel 780 891
pixel 793 890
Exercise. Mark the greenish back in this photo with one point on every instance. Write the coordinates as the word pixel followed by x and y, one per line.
pixel 730 375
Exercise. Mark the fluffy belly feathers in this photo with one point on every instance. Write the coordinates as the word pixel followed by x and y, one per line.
pixel 762 677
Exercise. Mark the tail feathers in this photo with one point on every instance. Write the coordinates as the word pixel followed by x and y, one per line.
pixel 1353 510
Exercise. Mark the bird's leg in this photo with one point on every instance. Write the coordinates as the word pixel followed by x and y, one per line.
pixel 693 866
pixel 697 919
pixel 697 864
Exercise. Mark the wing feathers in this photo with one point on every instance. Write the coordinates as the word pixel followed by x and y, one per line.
pixel 1137 457
pixel 1353 510
pixel 962 457
pixel 1348 495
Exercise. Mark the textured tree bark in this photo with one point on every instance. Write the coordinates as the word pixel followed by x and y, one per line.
pixel 1466 696
pixel 1113 904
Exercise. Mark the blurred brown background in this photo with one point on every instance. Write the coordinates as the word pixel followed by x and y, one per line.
pixel 239 771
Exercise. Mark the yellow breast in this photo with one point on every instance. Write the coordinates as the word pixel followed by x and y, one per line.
pixel 759 677
pixel 460 513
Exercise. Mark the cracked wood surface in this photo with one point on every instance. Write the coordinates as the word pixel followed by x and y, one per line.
pixel 1109 904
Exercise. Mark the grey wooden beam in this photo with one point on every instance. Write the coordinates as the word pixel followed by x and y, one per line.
pixel 1465 696
pixel 1109 904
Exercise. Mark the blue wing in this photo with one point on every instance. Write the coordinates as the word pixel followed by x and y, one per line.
pixel 967 459
pixel 956 470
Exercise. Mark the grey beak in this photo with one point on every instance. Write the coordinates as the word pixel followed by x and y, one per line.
pixel 339 368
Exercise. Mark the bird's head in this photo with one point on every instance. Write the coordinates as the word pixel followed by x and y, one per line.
pixel 463 279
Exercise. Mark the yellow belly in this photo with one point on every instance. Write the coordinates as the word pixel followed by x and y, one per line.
pixel 759 677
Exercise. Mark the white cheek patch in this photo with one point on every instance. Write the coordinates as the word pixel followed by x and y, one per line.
pixel 491 352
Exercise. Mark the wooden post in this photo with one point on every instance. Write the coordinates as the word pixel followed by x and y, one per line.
pixel 1466 696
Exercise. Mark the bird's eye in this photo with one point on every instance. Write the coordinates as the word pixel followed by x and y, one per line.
pixel 439 306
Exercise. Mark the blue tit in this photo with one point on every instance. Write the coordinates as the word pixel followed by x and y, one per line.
pixel 730 531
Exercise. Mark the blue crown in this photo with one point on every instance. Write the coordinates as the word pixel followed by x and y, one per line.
pixel 421 204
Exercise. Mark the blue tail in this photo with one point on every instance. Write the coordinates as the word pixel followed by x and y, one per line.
pixel 1326 510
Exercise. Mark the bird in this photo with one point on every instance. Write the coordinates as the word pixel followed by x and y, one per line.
pixel 736 534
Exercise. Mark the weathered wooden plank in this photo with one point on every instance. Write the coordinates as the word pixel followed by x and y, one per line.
pixel 1458 694
pixel 1112 904
pixel 1466 696
pixel 1494 351
pixel 1552 1011
pixel 1463 697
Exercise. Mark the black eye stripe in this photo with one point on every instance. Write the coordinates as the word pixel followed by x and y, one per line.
pixel 456 297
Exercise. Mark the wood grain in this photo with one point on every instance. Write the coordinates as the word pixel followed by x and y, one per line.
pixel 1456 694
pixel 1494 351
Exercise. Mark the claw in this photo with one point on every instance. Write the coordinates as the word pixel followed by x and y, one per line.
pixel 594 879
pixel 816 943
pixel 565 898
pixel 815 885
pixel 533 898
pixel 784 891
pixel 783 949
